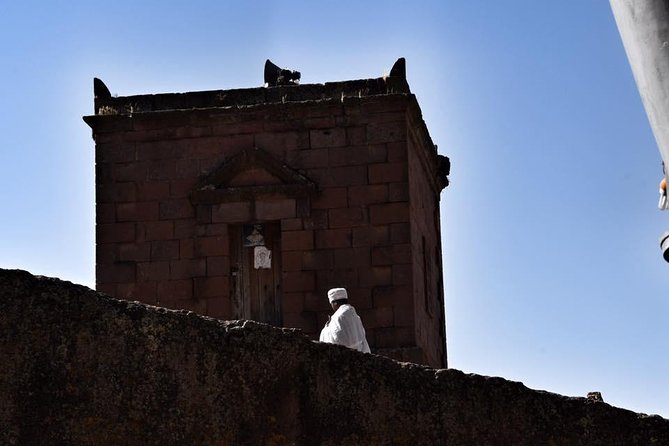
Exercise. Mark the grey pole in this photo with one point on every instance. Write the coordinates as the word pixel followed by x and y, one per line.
pixel 644 28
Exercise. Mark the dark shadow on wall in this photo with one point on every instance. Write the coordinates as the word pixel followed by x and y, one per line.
pixel 81 368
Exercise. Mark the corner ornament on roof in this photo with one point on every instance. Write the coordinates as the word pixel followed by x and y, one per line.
pixel 275 179
pixel 276 76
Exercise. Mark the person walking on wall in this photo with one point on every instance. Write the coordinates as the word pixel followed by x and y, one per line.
pixel 344 327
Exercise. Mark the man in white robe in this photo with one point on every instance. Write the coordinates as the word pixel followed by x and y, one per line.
pixel 344 327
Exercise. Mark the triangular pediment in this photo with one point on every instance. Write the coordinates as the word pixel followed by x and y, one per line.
pixel 254 176
pixel 249 174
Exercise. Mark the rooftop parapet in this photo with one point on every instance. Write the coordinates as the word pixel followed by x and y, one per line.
pixel 106 104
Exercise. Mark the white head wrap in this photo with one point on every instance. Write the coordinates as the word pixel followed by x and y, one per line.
pixel 337 294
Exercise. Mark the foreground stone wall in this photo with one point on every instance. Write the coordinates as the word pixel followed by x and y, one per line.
pixel 81 368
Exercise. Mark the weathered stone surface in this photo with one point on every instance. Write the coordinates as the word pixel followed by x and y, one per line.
pixel 81 368
pixel 245 97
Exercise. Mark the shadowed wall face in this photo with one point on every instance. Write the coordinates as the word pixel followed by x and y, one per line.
pixel 81 368
pixel 335 185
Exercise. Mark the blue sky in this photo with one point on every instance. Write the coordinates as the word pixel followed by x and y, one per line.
pixel 553 273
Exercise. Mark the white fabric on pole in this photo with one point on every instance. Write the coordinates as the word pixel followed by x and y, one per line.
pixel 663 204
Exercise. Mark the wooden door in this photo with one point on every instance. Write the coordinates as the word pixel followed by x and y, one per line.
pixel 256 284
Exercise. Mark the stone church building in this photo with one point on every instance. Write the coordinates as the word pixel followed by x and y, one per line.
pixel 252 203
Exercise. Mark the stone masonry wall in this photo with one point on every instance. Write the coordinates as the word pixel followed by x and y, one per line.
pixel 155 246
pixel 81 368
pixel 428 283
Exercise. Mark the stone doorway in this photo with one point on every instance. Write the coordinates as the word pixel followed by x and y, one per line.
pixel 255 251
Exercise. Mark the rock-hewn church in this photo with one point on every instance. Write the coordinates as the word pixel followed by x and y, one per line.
pixel 252 203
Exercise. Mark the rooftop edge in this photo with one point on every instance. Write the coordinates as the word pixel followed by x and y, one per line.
pixel 105 104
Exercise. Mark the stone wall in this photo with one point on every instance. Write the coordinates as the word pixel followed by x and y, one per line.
pixel 428 285
pixel 81 368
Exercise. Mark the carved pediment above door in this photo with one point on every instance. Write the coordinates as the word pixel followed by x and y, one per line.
pixel 251 174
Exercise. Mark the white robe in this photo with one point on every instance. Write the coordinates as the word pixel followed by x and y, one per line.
pixel 345 328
